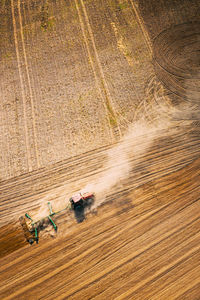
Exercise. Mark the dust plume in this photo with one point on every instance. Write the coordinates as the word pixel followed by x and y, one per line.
pixel 190 109
pixel 131 149
pixel 162 120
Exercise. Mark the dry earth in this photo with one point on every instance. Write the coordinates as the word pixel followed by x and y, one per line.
pixel 105 94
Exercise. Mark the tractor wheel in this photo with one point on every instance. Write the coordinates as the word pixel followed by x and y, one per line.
pixel 72 203
pixel 31 241
pixel 90 201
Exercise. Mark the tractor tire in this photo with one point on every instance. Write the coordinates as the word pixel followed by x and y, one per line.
pixel 90 201
pixel 72 203
pixel 31 241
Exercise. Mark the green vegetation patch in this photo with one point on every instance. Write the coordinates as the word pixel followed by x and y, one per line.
pixel 47 22
pixel 111 115
pixel 122 5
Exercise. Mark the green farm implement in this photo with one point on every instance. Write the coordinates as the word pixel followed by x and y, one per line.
pixel 77 203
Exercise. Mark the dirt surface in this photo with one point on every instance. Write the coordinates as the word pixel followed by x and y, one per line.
pixel 102 95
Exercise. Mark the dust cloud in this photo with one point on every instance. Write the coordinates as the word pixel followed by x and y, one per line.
pixel 122 158
pixel 119 162
pixel 162 120
pixel 190 109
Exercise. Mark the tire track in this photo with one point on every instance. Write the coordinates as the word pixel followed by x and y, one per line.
pixel 162 223
pixel 144 242
pixel 66 182
pixel 5 144
pixel 92 65
pixel 27 143
pixel 29 86
pixel 141 23
pixel 114 276
pixel 121 246
pixel 160 272
pixel 108 102
pixel 158 234
pixel 81 166
pixel 123 49
pixel 79 258
pixel 176 59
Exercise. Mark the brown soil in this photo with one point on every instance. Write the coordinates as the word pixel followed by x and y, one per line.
pixel 106 94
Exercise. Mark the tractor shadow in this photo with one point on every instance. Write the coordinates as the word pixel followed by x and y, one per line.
pixel 81 210
pixel 79 213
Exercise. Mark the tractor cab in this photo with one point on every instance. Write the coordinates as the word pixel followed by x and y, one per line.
pixel 76 200
pixel 81 199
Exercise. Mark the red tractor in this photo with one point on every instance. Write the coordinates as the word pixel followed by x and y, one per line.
pixel 79 203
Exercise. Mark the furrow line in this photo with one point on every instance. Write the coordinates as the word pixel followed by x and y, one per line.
pixel 29 85
pixel 28 152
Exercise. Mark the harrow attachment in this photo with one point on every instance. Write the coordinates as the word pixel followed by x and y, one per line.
pixel 32 228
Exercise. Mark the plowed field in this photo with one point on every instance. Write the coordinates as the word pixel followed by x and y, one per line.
pixel 102 95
